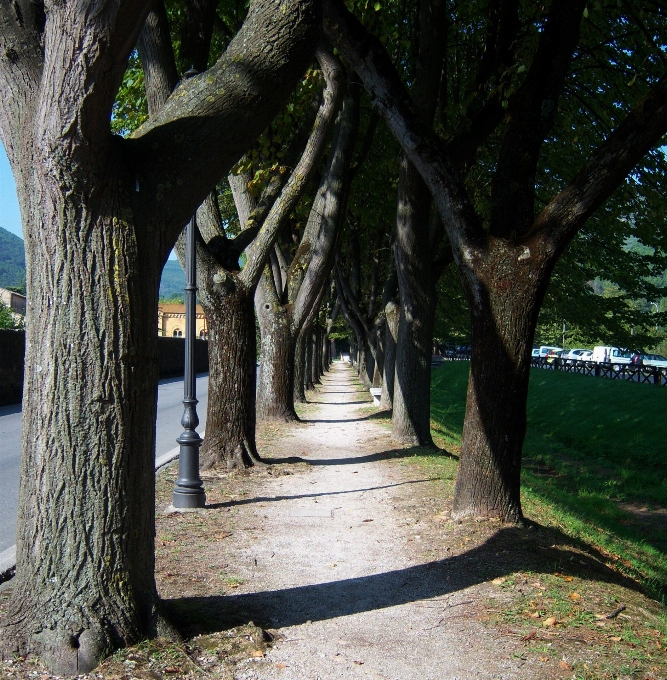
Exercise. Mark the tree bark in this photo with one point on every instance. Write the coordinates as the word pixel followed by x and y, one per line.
pixel 98 227
pixel 310 368
pixel 230 424
pixel 275 387
pixel 392 312
pixel 85 583
pixel 503 322
pixel 411 414
pixel 299 393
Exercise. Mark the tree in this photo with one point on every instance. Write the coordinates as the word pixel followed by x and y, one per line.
pixel 504 246
pixel 7 320
pixel 289 294
pixel 226 289
pixel 100 215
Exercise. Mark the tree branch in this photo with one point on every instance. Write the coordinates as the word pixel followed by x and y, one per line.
pixel 157 58
pixel 369 59
pixel 196 33
pixel 210 120
pixel 326 214
pixel 643 128
pixel 351 299
pixel 302 173
pixel 532 113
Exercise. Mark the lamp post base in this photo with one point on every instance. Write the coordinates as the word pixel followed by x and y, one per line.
pixel 189 491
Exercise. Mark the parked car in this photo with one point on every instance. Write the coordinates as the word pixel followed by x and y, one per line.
pixel 609 354
pixel 656 360
pixel 578 355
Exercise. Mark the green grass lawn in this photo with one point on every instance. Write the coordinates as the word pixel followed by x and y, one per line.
pixel 595 461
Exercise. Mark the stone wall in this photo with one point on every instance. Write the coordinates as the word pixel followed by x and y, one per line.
pixel 172 356
pixel 12 349
pixel 171 352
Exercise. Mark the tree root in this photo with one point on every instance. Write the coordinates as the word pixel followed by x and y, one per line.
pixel 216 454
pixel 71 641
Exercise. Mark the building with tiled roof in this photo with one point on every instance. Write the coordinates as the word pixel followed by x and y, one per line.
pixel 171 321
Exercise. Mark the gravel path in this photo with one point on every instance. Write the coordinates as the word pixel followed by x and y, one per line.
pixel 342 576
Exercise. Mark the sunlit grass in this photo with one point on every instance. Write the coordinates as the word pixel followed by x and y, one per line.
pixel 594 449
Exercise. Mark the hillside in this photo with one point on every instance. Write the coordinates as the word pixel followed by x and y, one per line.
pixel 12 260
pixel 173 281
pixel 12 268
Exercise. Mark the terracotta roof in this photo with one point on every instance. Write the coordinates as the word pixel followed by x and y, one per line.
pixel 175 308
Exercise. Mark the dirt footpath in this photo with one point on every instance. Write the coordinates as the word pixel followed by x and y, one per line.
pixel 338 559
pixel 338 568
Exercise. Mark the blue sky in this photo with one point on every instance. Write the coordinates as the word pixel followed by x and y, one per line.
pixel 10 218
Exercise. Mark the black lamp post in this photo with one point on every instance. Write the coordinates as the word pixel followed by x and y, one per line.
pixel 189 491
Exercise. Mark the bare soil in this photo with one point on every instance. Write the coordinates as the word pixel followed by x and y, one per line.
pixel 338 559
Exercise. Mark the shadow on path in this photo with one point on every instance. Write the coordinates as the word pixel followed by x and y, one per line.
pixel 511 549
pixel 380 415
pixel 266 499
pixel 368 458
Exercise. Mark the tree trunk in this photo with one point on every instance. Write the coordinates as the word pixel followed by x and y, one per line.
pixel 299 369
pixel 411 416
pixel 378 362
pixel 275 387
pixel 392 311
pixel 86 516
pixel 503 319
pixel 362 366
pixel 317 357
pixel 324 352
pixel 232 351
pixel 310 369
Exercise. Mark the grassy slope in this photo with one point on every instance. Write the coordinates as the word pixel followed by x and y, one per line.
pixel 591 445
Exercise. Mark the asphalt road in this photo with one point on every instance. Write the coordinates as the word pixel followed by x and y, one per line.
pixel 168 428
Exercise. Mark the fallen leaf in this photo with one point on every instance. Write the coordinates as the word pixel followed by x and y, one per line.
pixel 535 615
pixel 615 638
pixel 257 653
pixel 569 579
pixel 359 663
pixel 565 665
pixel 281 665
pixel 529 636
pixel 543 658
pixel 172 669
pixel 551 621
pixel 304 454
pixel 498 581
pixel 575 596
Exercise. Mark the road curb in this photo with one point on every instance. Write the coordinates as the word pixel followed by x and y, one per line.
pixel 8 557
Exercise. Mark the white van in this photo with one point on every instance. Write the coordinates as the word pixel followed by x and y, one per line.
pixel 613 355
pixel 545 349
